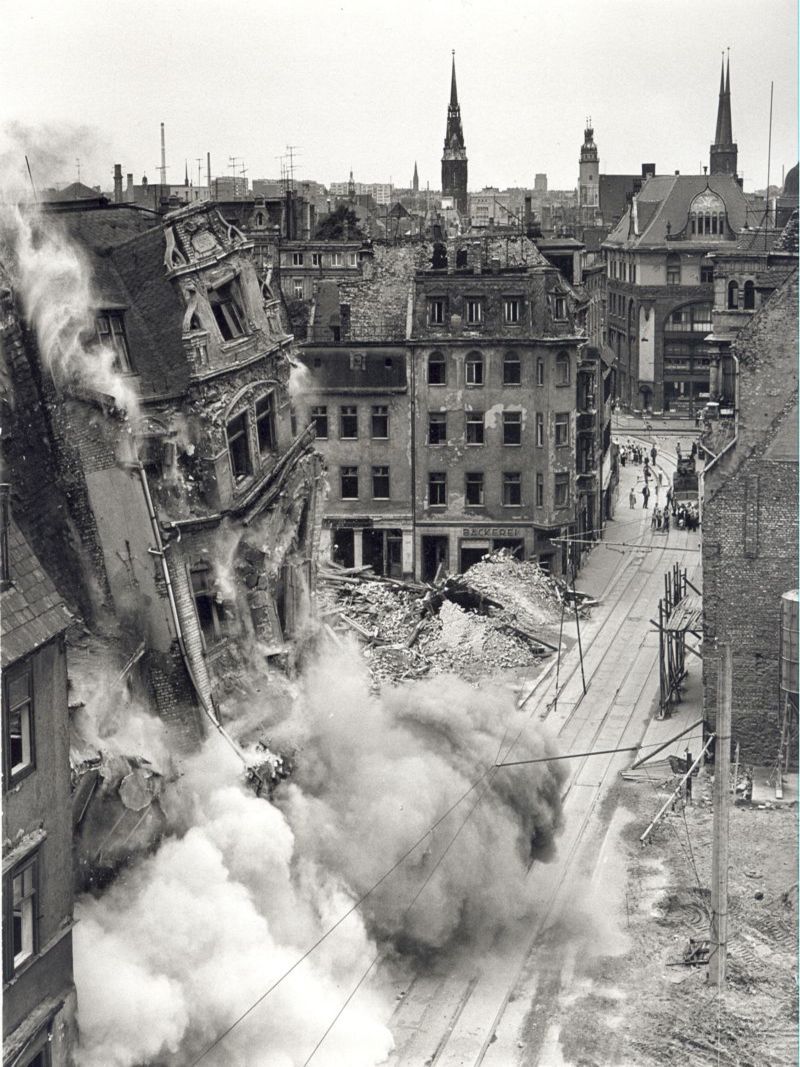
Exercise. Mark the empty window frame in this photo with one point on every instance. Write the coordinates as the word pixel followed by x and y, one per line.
pixel 380 422
pixel 561 490
pixel 265 423
pixel 562 428
pixel 380 483
pixel 512 489
pixel 437 428
pixel 474 428
pixel 437 369
pixel 348 422
pixel 18 722
pixel 239 446
pixel 227 308
pixel 437 489
pixel 473 369
pixel 349 483
pixel 512 427
pixel 212 613
pixel 319 417
pixel 512 369
pixel 110 327
pixel 473 489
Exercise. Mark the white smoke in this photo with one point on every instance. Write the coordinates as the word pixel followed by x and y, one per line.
pixel 54 281
pixel 175 952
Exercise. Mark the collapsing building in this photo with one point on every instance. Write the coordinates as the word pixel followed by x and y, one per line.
pixel 192 513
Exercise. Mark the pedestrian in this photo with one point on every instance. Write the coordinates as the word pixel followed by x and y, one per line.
pixel 655 520
pixel 669 495
pixel 694 449
pixel 660 477
pixel 623 455
pixel 633 498
pixel 665 521
pixel 645 496
pixel 653 454
pixel 678 449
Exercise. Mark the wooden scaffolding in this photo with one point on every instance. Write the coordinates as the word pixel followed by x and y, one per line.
pixel 680 612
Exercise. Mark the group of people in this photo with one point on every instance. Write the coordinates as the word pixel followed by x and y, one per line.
pixel 636 454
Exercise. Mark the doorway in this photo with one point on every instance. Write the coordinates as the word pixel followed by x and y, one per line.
pixel 344 548
pixel 383 551
pixel 435 554
pixel 472 552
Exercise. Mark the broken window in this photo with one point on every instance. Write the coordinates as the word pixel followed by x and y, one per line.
pixel 437 489
pixel 474 428
pixel 380 421
pixel 349 483
pixel 474 488
pixel 110 327
pixel 212 613
pixel 512 369
pixel 512 489
pixel 437 369
pixel 239 447
pixel 562 429
pixel 512 427
pixel 561 486
pixel 474 369
pixel 348 422
pixel 319 416
pixel 18 736
pixel 21 915
pixel 380 483
pixel 437 428
pixel 265 423
pixel 227 310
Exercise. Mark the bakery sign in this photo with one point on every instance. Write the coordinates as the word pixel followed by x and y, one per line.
pixel 493 531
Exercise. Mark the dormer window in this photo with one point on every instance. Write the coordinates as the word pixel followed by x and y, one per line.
pixel 110 327
pixel 227 310
pixel 707 215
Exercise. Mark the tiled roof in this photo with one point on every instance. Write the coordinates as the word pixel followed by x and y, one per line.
pixel 31 611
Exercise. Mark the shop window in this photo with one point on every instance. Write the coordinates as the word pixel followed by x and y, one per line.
pixel 380 483
pixel 733 295
pixel 512 369
pixel 437 369
pixel 319 416
pixel 380 422
pixel 474 369
pixel 437 428
pixel 512 489
pixel 110 327
pixel 474 489
pixel 265 423
pixel 561 490
pixel 212 613
pixel 562 369
pixel 474 428
pixel 239 447
pixel 18 731
pixel 227 311
pixel 512 427
pixel 437 489
pixel 20 915
pixel 349 483
pixel 348 422
pixel 562 429
pixel 749 296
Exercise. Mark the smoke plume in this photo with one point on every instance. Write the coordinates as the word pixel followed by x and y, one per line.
pixel 171 956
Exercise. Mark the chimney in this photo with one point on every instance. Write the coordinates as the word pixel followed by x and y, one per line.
pixel 129 188
pixel 5 565
pixel 117 183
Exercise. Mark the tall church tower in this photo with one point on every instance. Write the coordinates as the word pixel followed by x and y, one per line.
pixel 589 176
pixel 454 159
pixel 415 179
pixel 724 152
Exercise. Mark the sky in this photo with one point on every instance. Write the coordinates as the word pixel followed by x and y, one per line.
pixel 365 84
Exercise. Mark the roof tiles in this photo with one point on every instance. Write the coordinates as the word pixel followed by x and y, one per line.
pixel 31 611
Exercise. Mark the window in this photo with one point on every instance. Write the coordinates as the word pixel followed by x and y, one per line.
pixel 297 259
pixel 436 311
pixel 358 361
pixel 512 489
pixel 474 369
pixel 706 273
pixel 733 295
pixel 560 307
pixel 437 428
pixel 239 446
pixel 21 915
pixel 474 427
pixel 437 369
pixel 348 422
pixel 380 483
pixel 561 485
pixel 562 429
pixel 336 259
pixel 18 739
pixel 474 489
pixel 512 427
pixel 349 480
pixel 512 369
pixel 539 490
pixel 319 416
pixel 540 371
pixel 212 613
pixel 265 423
pixel 298 289
pixel 474 311
pixel 511 310
pixel 316 259
pixel 352 259
pixel 562 369
pixel 749 296
pixel 111 334
pixel 539 429
pixel 380 421
pixel 437 489
pixel 673 269
pixel 227 311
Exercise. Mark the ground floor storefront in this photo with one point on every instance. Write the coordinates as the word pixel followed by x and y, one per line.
pixel 455 547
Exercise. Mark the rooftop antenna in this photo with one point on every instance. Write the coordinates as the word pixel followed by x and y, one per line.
pixel 233 160
pixel 163 167
pixel 198 160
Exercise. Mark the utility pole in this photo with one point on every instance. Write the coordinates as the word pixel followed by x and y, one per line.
pixel 718 958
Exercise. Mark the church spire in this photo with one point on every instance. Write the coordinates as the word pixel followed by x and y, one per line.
pixel 454 158
pixel 724 151
pixel 453 89
pixel 415 179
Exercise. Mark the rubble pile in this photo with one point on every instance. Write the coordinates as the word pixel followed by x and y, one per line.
pixel 503 614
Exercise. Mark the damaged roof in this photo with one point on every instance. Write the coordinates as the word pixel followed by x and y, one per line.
pixel 32 611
